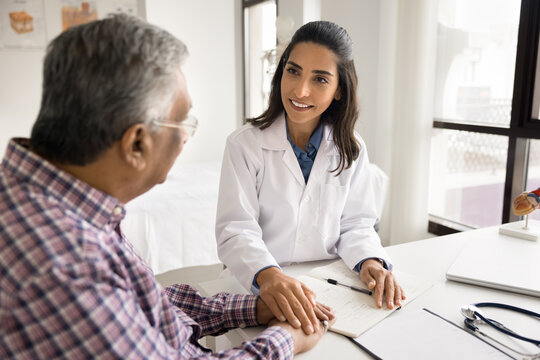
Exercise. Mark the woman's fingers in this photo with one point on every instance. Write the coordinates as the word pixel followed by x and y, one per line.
pixel 290 298
pixel 310 295
pixel 324 312
pixel 270 301
pixel 389 289
pixel 383 283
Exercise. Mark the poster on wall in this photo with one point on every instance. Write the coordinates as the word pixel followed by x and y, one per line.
pixel 75 12
pixel 22 24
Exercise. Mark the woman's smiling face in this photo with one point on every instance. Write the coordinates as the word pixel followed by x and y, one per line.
pixel 309 83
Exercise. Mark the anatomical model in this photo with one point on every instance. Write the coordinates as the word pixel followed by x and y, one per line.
pixel 526 202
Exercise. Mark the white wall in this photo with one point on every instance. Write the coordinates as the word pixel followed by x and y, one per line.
pixel 211 71
pixel 20 79
pixel 361 20
pixel 208 28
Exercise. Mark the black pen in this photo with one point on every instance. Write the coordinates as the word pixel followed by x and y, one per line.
pixel 335 282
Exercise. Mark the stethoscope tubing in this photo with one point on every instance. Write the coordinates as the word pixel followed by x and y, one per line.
pixel 469 323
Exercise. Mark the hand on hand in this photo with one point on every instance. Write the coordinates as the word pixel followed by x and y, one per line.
pixel 382 282
pixel 290 300
pixel 303 342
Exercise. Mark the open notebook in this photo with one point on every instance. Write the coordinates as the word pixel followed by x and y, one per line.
pixel 355 312
pixel 500 262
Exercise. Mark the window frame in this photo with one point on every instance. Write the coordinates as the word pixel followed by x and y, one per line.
pixel 523 126
pixel 245 5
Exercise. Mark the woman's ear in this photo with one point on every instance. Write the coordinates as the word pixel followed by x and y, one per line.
pixel 337 95
pixel 136 144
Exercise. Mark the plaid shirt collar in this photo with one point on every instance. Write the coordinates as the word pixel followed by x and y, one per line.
pixel 89 203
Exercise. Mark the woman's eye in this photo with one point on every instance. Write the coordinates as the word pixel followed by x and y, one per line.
pixel 322 80
pixel 292 71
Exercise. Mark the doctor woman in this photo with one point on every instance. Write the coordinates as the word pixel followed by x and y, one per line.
pixel 295 183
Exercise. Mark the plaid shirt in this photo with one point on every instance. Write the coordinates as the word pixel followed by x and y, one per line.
pixel 72 287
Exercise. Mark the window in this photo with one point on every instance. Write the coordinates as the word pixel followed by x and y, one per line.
pixel 259 53
pixel 533 171
pixel 485 148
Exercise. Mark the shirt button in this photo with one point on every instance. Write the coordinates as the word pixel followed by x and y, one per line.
pixel 117 210
pixel 242 325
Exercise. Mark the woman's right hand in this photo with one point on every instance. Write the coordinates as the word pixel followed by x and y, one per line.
pixel 290 300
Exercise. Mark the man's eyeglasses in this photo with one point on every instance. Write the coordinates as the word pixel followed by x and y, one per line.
pixel 189 124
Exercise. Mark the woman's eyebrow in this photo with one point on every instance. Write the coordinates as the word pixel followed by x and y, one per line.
pixel 294 64
pixel 320 72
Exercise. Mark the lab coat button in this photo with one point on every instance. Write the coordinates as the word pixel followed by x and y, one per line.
pixel 307 198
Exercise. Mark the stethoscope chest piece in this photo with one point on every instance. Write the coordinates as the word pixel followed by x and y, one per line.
pixel 472 315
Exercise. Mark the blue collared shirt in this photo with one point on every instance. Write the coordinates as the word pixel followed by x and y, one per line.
pixel 307 158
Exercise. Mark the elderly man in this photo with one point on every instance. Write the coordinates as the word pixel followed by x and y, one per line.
pixel 111 124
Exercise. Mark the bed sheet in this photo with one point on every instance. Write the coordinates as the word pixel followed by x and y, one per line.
pixel 172 225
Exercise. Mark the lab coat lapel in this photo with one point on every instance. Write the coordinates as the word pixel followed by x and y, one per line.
pixel 275 138
pixel 291 162
pixel 324 155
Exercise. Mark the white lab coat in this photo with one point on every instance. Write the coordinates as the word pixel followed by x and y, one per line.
pixel 268 215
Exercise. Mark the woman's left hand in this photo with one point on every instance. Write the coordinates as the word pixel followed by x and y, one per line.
pixel 383 283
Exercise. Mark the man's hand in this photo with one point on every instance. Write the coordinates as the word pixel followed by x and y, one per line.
pixel 290 300
pixel 303 342
pixel 382 282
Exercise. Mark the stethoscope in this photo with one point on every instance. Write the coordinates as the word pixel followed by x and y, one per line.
pixel 474 316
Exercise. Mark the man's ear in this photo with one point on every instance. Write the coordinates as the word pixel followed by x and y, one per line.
pixel 136 144
pixel 337 95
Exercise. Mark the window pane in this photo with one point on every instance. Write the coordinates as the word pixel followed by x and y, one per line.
pixel 476 53
pixel 260 44
pixel 467 174
pixel 533 172
pixel 536 95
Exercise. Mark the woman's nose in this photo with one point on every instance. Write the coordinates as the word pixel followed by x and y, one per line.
pixel 302 88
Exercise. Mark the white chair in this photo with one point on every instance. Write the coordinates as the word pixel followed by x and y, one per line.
pixel 379 182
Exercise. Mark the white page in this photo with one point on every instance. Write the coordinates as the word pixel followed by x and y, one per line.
pixel 413 285
pixel 355 312
pixel 421 335
pixel 339 271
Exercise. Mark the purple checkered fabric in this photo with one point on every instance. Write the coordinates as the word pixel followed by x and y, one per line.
pixel 72 287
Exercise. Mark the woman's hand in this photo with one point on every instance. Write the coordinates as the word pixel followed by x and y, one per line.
pixel 264 315
pixel 382 282
pixel 290 300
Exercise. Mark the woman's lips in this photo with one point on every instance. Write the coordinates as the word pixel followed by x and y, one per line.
pixel 298 106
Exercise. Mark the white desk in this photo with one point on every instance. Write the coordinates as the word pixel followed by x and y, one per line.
pixel 428 259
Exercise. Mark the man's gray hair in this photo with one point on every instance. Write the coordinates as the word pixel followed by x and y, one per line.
pixel 99 79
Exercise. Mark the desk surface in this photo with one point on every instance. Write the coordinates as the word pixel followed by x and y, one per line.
pixel 428 259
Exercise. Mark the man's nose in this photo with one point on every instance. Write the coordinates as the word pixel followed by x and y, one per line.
pixel 184 136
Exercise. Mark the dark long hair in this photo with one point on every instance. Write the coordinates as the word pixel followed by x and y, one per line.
pixel 341 114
